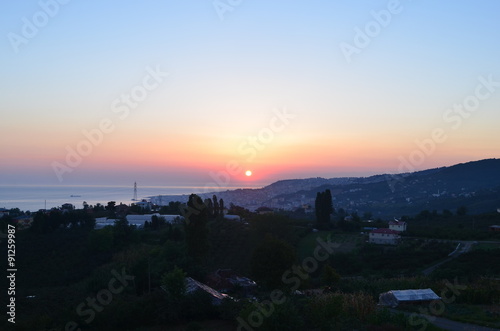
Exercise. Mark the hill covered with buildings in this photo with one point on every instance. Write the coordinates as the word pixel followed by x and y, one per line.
pixel 474 184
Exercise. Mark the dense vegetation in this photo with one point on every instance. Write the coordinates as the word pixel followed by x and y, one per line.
pixel 63 263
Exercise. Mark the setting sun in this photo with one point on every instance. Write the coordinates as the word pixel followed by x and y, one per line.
pixel 248 173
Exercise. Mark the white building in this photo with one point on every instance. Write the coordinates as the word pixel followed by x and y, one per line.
pixel 418 296
pixel 397 225
pixel 232 217
pixel 101 222
pixel 384 236
pixel 139 220
pixel 144 204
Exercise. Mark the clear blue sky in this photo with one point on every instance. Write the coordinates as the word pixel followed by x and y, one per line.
pixel 225 77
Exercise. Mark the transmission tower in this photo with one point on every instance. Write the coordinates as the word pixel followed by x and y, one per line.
pixel 135 192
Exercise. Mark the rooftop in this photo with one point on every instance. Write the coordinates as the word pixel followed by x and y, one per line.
pixel 415 295
pixel 385 231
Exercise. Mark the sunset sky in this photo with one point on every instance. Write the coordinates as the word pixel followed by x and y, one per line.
pixel 196 92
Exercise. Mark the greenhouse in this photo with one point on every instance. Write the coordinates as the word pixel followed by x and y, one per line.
pixel 395 298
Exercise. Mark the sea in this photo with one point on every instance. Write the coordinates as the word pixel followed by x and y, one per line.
pixel 34 198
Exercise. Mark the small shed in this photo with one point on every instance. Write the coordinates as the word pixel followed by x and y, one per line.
pixel 396 298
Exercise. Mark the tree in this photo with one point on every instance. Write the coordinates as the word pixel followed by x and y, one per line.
pixel 172 208
pixel 157 222
pixel 324 208
pixel 238 210
pixel 447 213
pixel 328 202
pixel 270 260
pixel 196 228
pixel 123 233
pixel 462 211
pixel 174 283
pixel 330 276
pixel 221 207
pixel 216 206
pixel 101 240
pixel 210 207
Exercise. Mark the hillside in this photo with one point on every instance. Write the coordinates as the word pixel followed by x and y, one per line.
pixel 473 184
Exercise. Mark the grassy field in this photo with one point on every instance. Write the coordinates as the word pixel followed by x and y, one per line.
pixel 486 246
pixel 475 314
pixel 348 242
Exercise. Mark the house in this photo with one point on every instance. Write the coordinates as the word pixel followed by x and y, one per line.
pixel 384 236
pixel 396 298
pixel 4 212
pixel 144 204
pixel 494 228
pixel 397 225
pixel 226 280
pixel 67 207
pixel 193 285
pixel 23 222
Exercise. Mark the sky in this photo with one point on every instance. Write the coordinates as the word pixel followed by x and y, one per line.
pixel 180 92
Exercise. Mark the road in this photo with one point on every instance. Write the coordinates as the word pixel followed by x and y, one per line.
pixel 443 323
pixel 464 247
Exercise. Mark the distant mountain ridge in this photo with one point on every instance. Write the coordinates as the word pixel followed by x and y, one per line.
pixel 475 184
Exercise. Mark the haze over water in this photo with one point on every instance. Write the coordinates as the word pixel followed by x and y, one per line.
pixel 33 198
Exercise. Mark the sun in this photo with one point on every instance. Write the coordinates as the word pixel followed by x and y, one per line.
pixel 248 173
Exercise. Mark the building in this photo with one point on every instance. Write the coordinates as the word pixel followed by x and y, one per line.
pixel 4 212
pixel 397 225
pixel 396 298
pixel 139 220
pixel 67 207
pixel 102 222
pixel 193 285
pixel 232 217
pixel 23 222
pixel 144 204
pixel 226 280
pixel 384 237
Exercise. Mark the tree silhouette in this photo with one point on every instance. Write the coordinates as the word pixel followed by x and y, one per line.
pixel 221 207
pixel 324 208
pixel 196 228
pixel 216 206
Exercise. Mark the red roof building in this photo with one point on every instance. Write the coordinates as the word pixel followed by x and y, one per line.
pixel 384 237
